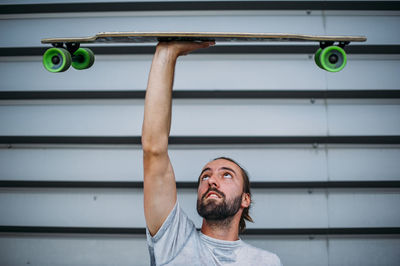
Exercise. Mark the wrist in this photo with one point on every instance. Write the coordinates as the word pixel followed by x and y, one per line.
pixel 167 51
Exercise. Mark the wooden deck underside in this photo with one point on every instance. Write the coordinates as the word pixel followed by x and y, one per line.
pixel 150 37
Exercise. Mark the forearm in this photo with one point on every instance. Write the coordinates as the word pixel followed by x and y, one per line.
pixel 157 107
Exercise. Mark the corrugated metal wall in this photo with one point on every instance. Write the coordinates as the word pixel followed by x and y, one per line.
pixel 322 149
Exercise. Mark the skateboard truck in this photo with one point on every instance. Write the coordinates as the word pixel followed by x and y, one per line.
pixel 63 55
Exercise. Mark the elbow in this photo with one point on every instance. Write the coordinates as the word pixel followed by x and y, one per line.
pixel 154 148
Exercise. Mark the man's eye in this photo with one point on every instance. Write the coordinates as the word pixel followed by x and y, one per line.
pixel 205 177
pixel 227 175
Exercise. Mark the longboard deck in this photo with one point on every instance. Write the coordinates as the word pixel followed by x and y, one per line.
pixel 150 37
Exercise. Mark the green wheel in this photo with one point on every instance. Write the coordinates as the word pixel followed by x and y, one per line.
pixel 316 58
pixel 57 60
pixel 333 58
pixel 83 58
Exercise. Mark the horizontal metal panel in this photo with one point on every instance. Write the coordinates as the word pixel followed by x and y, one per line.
pixel 190 117
pixel 124 117
pixel 204 118
pixel 368 163
pixel 78 250
pixel 364 206
pixel 255 118
pixel 206 72
pixel 357 117
pixel 294 208
pixel 117 164
pixel 78 207
pixel 263 162
pixel 364 251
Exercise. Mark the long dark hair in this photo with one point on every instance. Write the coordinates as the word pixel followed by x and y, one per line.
pixel 246 189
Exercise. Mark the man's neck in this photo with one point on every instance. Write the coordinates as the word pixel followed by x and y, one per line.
pixel 227 229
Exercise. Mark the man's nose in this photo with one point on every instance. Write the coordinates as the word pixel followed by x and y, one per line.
pixel 213 181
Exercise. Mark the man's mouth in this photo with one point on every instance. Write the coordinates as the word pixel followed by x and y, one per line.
pixel 213 195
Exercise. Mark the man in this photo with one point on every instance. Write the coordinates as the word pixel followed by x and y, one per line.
pixel 223 192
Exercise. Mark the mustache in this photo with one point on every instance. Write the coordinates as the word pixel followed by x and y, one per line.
pixel 220 193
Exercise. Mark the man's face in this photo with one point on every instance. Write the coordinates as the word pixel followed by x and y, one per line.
pixel 220 190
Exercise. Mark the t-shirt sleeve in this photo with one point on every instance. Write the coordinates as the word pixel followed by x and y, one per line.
pixel 166 244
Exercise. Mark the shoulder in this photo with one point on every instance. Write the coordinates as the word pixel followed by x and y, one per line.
pixel 177 223
pixel 260 256
pixel 171 238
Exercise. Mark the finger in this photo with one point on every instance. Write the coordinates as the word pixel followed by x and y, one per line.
pixel 201 45
pixel 186 48
pixel 207 44
pixel 212 43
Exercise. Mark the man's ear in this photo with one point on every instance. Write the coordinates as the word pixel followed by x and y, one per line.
pixel 246 200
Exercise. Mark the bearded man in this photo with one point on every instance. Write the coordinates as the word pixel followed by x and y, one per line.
pixel 223 187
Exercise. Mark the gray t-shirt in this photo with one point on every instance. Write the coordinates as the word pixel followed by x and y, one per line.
pixel 178 242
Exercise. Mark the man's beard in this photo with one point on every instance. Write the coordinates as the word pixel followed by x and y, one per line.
pixel 214 210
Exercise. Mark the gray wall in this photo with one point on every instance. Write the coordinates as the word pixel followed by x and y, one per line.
pixel 325 194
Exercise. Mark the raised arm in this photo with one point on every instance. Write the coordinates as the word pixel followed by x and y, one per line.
pixel 159 178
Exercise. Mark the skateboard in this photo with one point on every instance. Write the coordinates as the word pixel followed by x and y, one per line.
pixel 67 51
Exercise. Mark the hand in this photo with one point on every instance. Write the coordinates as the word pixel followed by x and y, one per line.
pixel 178 48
